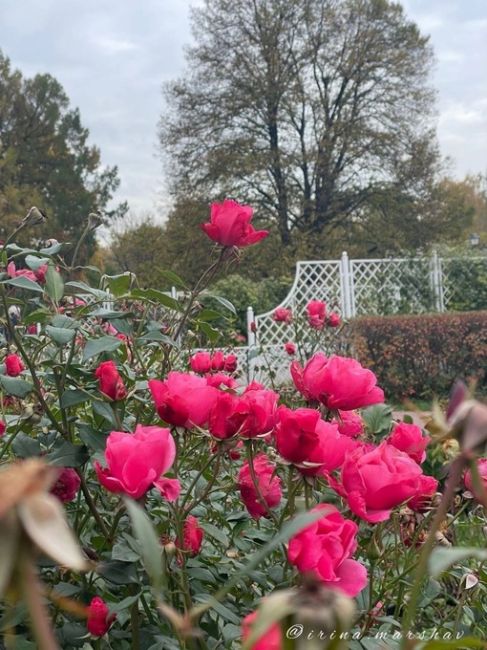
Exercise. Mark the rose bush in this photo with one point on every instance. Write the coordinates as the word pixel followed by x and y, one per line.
pixel 184 504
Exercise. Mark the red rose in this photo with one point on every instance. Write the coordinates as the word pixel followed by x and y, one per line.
pixel 282 315
pixel 223 420
pixel 350 424
pixel 3 428
pixel 67 485
pixel 422 499
pixel 482 467
pixel 201 362
pixel 217 361
pixel 99 619
pixel 290 348
pixel 270 640
pixel 337 382
pixel 13 365
pixel 136 461
pixel 409 438
pixel 269 486
pixel 183 399
pixel 109 381
pixel 377 481
pixel 256 410
pixel 231 363
pixel 316 314
pixel 230 225
pixel 325 547
pixel 333 320
pixel 192 535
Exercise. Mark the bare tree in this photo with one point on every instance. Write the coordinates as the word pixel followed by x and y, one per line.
pixel 308 108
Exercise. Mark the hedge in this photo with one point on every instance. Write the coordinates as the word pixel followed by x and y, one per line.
pixel 420 356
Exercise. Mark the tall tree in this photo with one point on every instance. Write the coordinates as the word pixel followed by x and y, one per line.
pixel 45 157
pixel 309 108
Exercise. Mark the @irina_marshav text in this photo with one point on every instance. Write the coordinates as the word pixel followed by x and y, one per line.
pixel 298 631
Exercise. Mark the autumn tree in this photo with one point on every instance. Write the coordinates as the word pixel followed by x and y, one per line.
pixel 46 159
pixel 311 110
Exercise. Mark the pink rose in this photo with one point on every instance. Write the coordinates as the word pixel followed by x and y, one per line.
pixel 409 438
pixel 482 467
pixel 282 315
pixel 99 619
pixel 219 379
pixel 304 439
pixel 290 348
pixel 231 363
pixel 135 461
pixel 3 428
pixel 325 547
pixel 333 320
pixel 268 482
pixel 270 640
pixel 337 382
pixel 350 424
pixel 230 225
pixel 223 421
pixel 13 365
pixel 183 399
pixel 201 362
pixel 428 486
pixel 316 314
pixel 377 481
pixel 256 411
pixel 218 361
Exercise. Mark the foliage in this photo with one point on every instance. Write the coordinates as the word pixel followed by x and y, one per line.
pixel 422 355
pixel 46 160
pixel 192 494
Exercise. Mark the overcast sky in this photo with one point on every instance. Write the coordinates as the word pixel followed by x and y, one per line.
pixel 112 57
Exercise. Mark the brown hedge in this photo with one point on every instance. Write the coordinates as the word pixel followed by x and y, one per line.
pixel 421 356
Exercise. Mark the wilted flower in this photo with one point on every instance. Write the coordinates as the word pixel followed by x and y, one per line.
pixel 34 217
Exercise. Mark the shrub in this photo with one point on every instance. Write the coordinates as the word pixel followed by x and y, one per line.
pixel 421 355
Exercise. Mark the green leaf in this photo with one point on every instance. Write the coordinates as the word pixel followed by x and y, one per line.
pixel 442 558
pixel 68 455
pixel 105 410
pixel 25 447
pixel 73 398
pixel 64 322
pixel 60 335
pixel 94 347
pixel 224 302
pixel 157 336
pixel 94 439
pixel 150 549
pixel 156 296
pixel 37 316
pixel 15 386
pixel 22 282
pixel 208 315
pixel 54 284
pixel 34 262
pixel 119 573
pixel 378 418
pixel 173 278
pixel 216 533
pixel 81 288
pixel 119 284
pixel 211 333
